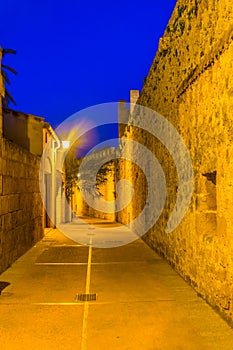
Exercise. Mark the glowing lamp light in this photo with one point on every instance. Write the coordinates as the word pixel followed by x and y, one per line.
pixel 65 144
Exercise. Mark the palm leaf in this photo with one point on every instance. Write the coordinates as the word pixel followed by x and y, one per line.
pixel 12 70
pixel 9 97
pixel 5 51
pixel 5 77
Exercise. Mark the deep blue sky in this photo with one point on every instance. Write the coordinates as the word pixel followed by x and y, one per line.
pixel 74 54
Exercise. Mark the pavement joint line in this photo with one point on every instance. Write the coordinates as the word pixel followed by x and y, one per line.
pixel 93 263
pixel 86 303
pixel 102 303
pixel 59 303
pixel 82 303
pixel 68 245
pixel 59 264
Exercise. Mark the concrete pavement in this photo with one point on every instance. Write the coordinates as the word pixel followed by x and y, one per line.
pixel 141 303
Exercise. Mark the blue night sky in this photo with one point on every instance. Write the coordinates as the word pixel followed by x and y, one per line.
pixel 74 54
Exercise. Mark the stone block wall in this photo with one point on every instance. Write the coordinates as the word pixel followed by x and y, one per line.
pixel 1 95
pixel 20 203
pixel 106 188
pixel 190 83
pixel 26 130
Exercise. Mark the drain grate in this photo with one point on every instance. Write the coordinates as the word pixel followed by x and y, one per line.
pixel 86 297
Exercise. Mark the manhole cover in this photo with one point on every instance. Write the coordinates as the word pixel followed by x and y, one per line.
pixel 3 285
pixel 86 297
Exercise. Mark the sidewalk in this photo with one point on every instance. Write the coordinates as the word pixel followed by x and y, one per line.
pixel 141 303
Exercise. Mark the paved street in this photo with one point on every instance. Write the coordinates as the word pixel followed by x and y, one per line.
pixel 141 303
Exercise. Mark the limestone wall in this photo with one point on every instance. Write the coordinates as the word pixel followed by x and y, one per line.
pixel 105 187
pixel 190 83
pixel 20 203
pixel 24 129
pixel 1 95
pixel 106 190
pixel 103 181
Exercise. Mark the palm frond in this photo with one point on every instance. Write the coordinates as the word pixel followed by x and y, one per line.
pixel 4 68
pixel 12 70
pixel 5 77
pixel 6 51
pixel 9 97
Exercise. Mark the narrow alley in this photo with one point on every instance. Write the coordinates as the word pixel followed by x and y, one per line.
pixel 63 295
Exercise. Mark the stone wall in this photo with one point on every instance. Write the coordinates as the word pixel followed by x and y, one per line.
pixel 26 130
pixel 1 95
pixel 106 189
pixel 20 203
pixel 190 83
pixel 105 186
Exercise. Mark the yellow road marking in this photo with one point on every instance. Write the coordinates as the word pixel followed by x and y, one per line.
pixel 86 303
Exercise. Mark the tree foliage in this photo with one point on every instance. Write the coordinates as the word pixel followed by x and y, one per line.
pixel 71 165
pixel 85 181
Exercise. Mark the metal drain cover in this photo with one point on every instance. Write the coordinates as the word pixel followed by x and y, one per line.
pixel 86 297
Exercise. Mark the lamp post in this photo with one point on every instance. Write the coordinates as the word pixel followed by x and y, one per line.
pixel 65 144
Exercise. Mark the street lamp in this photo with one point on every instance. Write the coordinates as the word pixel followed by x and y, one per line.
pixel 65 144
